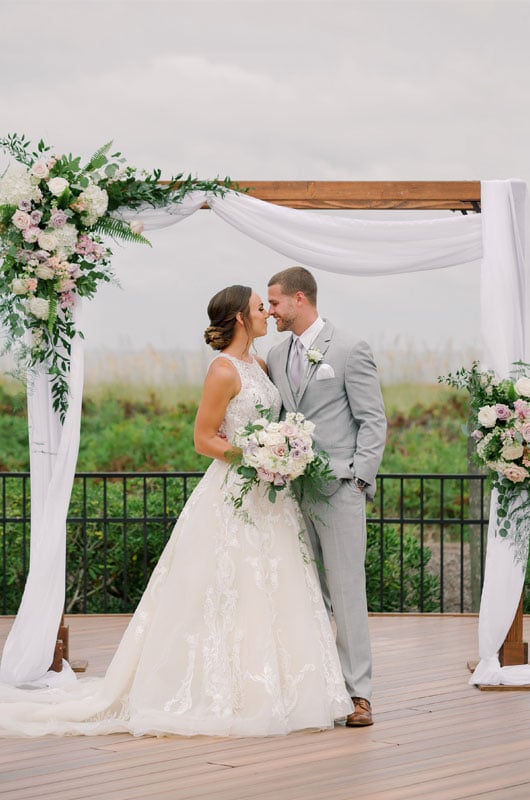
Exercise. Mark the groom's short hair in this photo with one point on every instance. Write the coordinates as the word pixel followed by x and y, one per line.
pixel 296 279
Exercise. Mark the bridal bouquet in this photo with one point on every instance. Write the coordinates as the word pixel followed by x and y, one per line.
pixel 500 422
pixel 278 453
pixel 53 213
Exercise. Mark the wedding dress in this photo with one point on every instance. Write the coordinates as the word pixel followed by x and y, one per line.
pixel 231 636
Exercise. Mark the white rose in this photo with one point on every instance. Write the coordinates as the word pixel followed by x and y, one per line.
pixel 512 451
pixel 47 241
pixel 57 186
pixel 19 286
pixel 39 307
pixel 522 387
pixel 44 272
pixel 137 227
pixel 487 416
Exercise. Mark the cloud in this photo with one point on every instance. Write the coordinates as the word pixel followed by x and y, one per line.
pixel 266 90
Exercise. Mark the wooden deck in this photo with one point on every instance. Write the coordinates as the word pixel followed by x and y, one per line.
pixel 435 737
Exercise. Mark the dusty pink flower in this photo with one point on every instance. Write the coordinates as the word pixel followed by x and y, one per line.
pixel 503 411
pixel 515 473
pixel 67 300
pixel 522 409
pixel 31 234
pixel 21 220
pixel 66 285
pixel 58 218
pixel 40 170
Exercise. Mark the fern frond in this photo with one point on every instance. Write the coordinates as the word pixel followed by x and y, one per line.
pixel 118 229
pixel 99 157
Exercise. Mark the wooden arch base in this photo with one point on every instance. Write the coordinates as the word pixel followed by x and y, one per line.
pixel 62 651
pixel 512 653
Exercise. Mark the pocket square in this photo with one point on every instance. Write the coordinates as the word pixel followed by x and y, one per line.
pixel 324 372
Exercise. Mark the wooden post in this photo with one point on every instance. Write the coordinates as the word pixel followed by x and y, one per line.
pixel 514 650
pixel 61 647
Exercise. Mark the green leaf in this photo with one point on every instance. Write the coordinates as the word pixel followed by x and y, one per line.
pixel 99 158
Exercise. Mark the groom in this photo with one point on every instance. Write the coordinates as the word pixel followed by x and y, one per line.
pixel 332 379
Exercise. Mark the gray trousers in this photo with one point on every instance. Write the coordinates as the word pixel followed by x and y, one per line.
pixel 337 532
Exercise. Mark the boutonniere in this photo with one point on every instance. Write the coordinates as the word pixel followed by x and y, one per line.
pixel 314 356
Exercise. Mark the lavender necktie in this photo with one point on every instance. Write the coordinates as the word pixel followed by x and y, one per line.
pixel 297 364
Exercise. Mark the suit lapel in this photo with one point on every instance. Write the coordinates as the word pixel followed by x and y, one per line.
pixel 321 343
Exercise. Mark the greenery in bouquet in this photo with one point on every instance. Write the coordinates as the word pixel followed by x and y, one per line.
pixel 278 454
pixel 54 213
pixel 500 428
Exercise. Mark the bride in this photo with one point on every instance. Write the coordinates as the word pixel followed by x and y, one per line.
pixel 231 636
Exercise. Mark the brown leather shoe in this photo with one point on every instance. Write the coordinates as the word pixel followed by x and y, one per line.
pixel 361 715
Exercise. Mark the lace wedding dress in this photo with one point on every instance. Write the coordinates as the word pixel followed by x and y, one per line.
pixel 231 636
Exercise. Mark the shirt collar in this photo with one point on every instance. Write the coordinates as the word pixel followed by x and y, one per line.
pixel 310 334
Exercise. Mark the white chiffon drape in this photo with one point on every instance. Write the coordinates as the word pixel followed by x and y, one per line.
pixel 334 243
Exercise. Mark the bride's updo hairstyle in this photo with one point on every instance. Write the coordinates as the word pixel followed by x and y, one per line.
pixel 222 311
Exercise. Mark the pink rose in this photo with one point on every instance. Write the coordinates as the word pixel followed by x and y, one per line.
pixel 66 285
pixel 477 435
pixel 58 218
pixel 137 227
pixel 503 412
pixel 515 473
pixel 21 220
pixel 40 170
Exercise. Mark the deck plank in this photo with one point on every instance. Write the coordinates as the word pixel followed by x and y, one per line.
pixel 435 736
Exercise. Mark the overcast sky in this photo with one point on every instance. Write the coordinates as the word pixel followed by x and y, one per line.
pixel 405 89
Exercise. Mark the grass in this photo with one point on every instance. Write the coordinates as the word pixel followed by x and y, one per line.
pixel 134 427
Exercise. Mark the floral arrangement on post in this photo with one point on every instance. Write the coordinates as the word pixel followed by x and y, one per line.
pixel 278 454
pixel 53 215
pixel 500 422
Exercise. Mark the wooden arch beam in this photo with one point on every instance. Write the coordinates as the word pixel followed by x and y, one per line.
pixel 411 195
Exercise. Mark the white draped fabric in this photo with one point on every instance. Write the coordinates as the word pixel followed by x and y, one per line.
pixel 331 242
pixel 504 309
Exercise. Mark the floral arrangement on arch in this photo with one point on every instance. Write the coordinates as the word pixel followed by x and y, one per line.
pixel 54 215
pixel 500 428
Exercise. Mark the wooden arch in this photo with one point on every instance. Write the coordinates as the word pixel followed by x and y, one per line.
pixel 460 196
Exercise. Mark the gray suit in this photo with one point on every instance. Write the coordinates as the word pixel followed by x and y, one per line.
pixel 342 396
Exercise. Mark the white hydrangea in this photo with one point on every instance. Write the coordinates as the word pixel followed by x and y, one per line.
pixel 66 238
pixel 16 185
pixel 96 202
pixel 39 307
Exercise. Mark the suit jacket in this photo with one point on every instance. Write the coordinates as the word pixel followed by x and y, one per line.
pixel 341 395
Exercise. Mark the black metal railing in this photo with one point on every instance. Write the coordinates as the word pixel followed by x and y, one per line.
pixel 426 539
